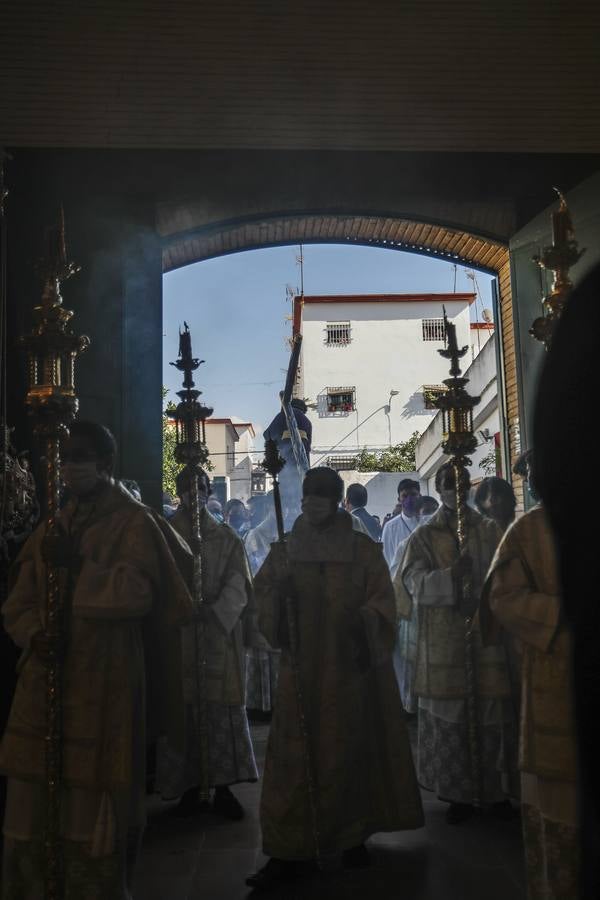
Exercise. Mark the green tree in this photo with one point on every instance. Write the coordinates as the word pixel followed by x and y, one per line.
pixel 399 458
pixel 170 466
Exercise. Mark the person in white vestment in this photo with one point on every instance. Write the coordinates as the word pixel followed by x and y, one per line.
pixel 432 576
pixel 402 525
pixel 406 645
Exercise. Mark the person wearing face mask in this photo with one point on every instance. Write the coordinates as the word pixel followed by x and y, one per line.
pixel 496 499
pixel 522 601
pixel 406 646
pixel 213 505
pixel 402 525
pixel 124 598
pixel 227 592
pixel 431 576
pixel 362 765
pixel 236 516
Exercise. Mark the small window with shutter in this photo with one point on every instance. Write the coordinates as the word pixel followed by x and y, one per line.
pixel 341 399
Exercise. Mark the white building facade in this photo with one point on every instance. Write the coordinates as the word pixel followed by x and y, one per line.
pixel 370 365
pixel 231 444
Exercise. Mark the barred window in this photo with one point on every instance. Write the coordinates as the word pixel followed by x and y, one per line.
pixel 341 463
pixel 433 329
pixel 337 334
pixel 341 399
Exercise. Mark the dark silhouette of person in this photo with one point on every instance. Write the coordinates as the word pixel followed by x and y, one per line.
pixel 278 430
pixel 568 387
pixel 357 498
pixel 290 477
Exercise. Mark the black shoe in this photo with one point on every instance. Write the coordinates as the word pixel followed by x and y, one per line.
pixel 277 872
pixel 356 858
pixel 190 805
pixel 225 804
pixel 459 812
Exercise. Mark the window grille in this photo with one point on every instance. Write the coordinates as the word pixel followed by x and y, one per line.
pixel 337 334
pixel 341 399
pixel 433 329
pixel 341 463
pixel 431 392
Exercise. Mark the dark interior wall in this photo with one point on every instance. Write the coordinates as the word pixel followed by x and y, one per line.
pixel 111 200
pixel 530 283
pixel 116 297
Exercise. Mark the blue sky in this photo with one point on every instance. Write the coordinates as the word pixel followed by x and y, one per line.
pixel 237 311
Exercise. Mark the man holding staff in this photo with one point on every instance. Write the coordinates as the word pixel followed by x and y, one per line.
pixel 339 765
pixel 431 576
pixel 124 575
pixel 227 593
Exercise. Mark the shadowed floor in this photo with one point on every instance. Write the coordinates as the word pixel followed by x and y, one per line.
pixel 208 857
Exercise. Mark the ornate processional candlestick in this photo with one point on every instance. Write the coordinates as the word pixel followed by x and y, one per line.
pixel 459 442
pixel 559 257
pixel 51 349
pixel 191 450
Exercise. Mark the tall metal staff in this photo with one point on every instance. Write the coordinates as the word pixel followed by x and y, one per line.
pixel 273 464
pixel 460 441
pixel 286 404
pixel 190 416
pixel 52 404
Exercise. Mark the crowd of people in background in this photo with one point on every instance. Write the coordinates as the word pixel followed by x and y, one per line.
pixel 393 615
pixel 519 621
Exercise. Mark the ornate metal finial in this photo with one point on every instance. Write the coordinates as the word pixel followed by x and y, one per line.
pixel 54 265
pixel 451 351
pixel 190 414
pixel 456 403
pixel 273 463
pixel 186 362
pixel 51 346
pixel 559 257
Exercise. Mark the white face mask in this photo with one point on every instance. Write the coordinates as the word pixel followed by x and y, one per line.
pixel 318 509
pixel 80 477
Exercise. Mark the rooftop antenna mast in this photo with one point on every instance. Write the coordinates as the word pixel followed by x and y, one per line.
pixel 300 261
pixel 470 273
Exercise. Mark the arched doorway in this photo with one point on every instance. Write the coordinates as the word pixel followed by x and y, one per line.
pixel 184 243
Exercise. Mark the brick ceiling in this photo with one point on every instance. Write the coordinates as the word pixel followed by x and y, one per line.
pixel 394 234
pixel 476 75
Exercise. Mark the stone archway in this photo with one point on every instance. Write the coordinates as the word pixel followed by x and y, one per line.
pixel 184 243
